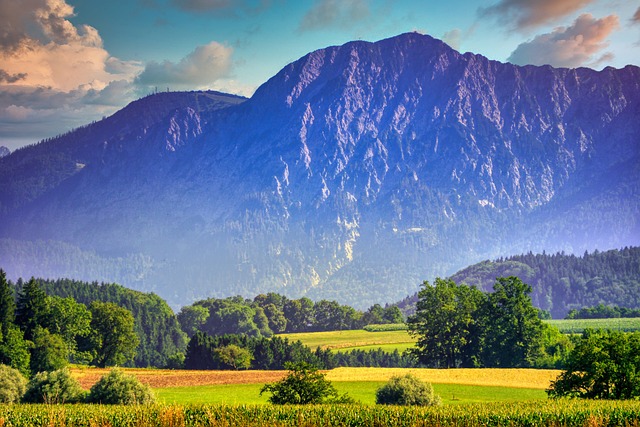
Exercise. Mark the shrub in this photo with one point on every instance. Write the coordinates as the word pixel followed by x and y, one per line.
pixel 406 390
pixel 117 388
pixel 54 387
pixel 304 384
pixel 12 384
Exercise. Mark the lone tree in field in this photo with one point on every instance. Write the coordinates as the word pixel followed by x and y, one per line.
pixel 603 365
pixel 304 384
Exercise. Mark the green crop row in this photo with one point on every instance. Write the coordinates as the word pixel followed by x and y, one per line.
pixel 567 413
pixel 386 327
pixel 577 326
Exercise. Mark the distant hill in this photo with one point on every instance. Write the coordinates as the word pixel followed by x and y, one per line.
pixel 563 282
pixel 353 174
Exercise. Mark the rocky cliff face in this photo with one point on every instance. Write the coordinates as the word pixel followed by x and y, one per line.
pixel 353 174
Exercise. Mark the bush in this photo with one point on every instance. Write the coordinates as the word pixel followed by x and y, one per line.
pixel 304 384
pixel 406 390
pixel 117 388
pixel 54 387
pixel 12 384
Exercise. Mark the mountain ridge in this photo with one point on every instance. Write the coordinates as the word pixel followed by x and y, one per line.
pixel 354 168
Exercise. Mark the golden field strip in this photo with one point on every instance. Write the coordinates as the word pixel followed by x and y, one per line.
pixel 335 340
pixel 163 378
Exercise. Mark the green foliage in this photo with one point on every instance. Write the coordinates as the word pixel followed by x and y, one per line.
pixel 156 326
pixel 386 327
pixel 304 384
pixel 54 387
pixel 49 352
pixel 563 282
pixel 603 365
pixel 69 319
pixel 447 324
pixel 32 308
pixel 12 384
pixel 407 390
pixel 192 318
pixel 578 326
pixel 14 350
pixel 116 337
pixel 545 413
pixel 555 348
pixel 602 311
pixel 7 304
pixel 118 388
pixel 511 326
pixel 234 356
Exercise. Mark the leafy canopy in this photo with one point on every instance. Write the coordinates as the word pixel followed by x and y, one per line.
pixel 304 384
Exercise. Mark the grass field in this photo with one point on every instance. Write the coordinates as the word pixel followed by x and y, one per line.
pixel 342 340
pixel 577 326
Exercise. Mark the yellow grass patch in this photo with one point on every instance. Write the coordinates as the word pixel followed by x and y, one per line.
pixel 516 378
pixel 346 339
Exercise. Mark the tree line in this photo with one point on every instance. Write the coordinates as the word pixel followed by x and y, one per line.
pixel 461 326
pixel 234 351
pixel 561 282
pixel 42 333
pixel 272 313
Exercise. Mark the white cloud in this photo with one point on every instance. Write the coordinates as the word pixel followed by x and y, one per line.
pixel 199 69
pixel 331 13
pixel 581 44
pixel 453 38
pixel 53 72
pixel 526 14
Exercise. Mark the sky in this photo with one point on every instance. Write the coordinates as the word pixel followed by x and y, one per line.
pixel 65 63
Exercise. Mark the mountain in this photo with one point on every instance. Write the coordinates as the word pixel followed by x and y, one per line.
pixel 354 174
pixel 4 151
pixel 562 282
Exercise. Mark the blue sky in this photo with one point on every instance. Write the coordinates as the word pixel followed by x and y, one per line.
pixel 68 62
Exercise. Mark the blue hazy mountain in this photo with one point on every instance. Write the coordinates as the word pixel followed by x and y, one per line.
pixel 354 174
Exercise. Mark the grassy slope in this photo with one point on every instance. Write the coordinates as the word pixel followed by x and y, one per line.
pixel 576 326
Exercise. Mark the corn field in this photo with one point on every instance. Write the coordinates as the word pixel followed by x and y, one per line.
pixel 544 413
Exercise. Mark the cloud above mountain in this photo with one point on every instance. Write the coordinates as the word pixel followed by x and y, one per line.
pixel 580 44
pixel 199 68
pixel 330 13
pixel 524 15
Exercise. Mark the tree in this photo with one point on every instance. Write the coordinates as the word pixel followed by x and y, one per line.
pixel 299 314
pixel 31 308
pixel 234 356
pixel 512 329
pixel 446 324
pixel 7 304
pixel 602 365
pixel 69 319
pixel 191 318
pixel 49 352
pixel 304 384
pixel 115 336
pixel 14 350
pixel 407 390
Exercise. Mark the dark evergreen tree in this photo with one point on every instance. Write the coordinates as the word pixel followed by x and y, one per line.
pixel 31 308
